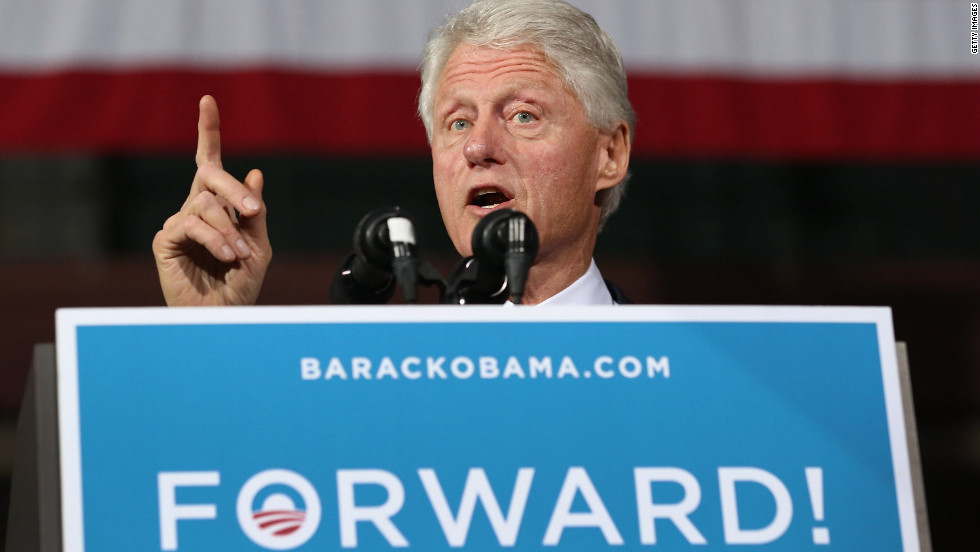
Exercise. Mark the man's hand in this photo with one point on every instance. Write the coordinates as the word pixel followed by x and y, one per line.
pixel 206 254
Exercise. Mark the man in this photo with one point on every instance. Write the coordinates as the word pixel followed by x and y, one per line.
pixel 525 106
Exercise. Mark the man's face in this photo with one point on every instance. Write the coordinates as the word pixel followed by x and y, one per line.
pixel 508 134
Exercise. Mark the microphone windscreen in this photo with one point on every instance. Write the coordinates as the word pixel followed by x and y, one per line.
pixel 400 229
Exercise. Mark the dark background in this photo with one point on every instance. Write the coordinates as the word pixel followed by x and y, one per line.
pixel 75 230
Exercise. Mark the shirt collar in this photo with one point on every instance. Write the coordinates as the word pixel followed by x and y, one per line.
pixel 589 289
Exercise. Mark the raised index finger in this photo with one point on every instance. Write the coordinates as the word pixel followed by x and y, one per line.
pixel 208 135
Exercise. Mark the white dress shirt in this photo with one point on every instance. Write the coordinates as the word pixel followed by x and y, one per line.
pixel 589 289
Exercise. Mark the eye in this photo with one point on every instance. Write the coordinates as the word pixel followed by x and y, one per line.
pixel 524 117
pixel 460 124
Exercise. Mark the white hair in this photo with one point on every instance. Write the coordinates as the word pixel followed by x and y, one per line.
pixel 584 56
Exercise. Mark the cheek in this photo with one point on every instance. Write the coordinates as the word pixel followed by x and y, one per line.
pixel 559 182
pixel 550 204
pixel 445 174
pixel 442 178
pixel 560 194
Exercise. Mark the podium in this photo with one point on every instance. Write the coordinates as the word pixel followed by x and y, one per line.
pixel 440 428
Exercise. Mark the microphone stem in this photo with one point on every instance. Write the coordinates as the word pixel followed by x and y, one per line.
pixel 517 259
pixel 406 269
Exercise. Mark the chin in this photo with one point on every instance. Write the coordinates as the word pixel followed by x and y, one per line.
pixel 462 238
pixel 465 248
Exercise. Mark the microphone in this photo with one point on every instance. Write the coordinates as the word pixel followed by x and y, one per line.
pixel 507 239
pixel 474 283
pixel 505 243
pixel 384 253
pixel 404 262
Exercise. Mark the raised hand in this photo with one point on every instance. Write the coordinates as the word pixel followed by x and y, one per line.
pixel 206 254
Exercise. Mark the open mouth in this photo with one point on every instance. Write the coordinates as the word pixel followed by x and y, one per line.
pixel 488 198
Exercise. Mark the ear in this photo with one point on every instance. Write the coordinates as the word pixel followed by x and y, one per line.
pixel 614 158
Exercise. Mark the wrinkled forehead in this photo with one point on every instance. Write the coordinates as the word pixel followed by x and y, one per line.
pixel 522 63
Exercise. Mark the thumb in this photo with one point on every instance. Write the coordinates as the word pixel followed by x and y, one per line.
pixel 254 227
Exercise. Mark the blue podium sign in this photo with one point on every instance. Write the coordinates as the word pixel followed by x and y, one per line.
pixel 482 428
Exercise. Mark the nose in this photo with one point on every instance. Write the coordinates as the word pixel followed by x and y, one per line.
pixel 483 145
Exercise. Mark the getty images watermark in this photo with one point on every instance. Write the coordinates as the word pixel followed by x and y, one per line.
pixel 974 28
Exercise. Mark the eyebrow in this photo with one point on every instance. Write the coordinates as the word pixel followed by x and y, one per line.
pixel 522 93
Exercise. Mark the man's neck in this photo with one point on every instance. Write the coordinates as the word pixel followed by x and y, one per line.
pixel 548 278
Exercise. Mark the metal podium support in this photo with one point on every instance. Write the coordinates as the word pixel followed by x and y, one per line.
pixel 34 523
pixel 915 459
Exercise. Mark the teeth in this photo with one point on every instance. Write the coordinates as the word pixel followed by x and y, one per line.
pixel 489 198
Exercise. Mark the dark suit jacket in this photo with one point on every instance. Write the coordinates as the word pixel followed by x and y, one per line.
pixel 617 293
